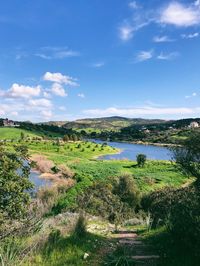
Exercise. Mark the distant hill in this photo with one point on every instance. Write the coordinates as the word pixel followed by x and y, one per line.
pixel 109 123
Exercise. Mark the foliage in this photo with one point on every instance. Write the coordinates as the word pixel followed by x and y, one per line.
pixel 14 183
pixel 115 200
pixel 126 189
pixel 141 159
pixel 179 211
pixel 188 156
pixel 159 204
pixel 121 256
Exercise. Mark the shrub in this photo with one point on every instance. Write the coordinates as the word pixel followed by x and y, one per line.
pixel 141 159
pixel 54 237
pixel 127 191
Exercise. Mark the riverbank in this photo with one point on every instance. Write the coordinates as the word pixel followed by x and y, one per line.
pixel 167 145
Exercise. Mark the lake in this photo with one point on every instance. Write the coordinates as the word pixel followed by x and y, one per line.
pixel 129 151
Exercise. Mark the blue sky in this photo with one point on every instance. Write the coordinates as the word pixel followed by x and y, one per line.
pixel 63 60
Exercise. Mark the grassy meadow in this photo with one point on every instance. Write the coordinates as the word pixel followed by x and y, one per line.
pixel 15 133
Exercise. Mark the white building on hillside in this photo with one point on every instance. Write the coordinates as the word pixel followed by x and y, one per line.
pixel 194 125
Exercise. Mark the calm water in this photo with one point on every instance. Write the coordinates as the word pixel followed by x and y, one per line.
pixel 37 181
pixel 130 151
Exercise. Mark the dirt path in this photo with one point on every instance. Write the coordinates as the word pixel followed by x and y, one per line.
pixel 137 252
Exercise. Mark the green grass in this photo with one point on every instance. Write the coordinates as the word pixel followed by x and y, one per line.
pixel 68 250
pixel 15 133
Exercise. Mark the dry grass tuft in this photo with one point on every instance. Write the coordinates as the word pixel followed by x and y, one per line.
pixel 42 163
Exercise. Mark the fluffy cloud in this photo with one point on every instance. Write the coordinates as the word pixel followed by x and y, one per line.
pixel 60 78
pixel 174 13
pixel 46 114
pixel 22 91
pixel 180 15
pixel 144 56
pixel 57 89
pixel 40 103
pixel 141 111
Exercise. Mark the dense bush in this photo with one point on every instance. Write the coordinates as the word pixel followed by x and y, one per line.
pixel 141 159
pixel 179 210
pixel 113 199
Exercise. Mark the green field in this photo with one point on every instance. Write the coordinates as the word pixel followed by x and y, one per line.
pixel 15 133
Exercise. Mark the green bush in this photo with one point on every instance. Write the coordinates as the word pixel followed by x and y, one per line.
pixel 141 160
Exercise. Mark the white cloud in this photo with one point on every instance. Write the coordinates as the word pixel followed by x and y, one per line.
pixel 142 111
pixel 40 103
pixel 180 15
pixel 43 56
pixel 46 114
pixel 190 36
pixel 57 89
pixel 134 5
pixel 169 56
pixel 81 95
pixel 46 94
pixel 22 91
pixel 56 53
pixel 60 78
pixel 144 56
pixel 160 39
pixel 126 32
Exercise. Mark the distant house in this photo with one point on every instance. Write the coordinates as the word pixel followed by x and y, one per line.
pixel 147 131
pixel 9 123
pixel 194 125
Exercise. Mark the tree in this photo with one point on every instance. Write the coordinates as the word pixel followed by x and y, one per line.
pixel 66 138
pixel 141 160
pixel 127 191
pixel 14 183
pixel 22 136
pixel 187 157
pixel 74 137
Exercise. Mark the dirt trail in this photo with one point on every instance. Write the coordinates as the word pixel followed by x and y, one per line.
pixel 137 251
